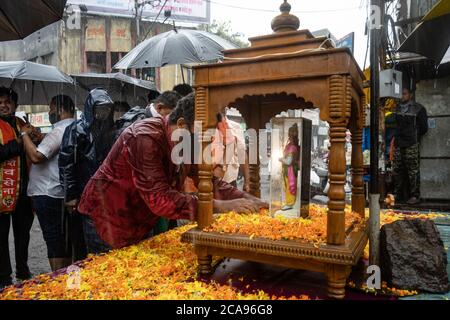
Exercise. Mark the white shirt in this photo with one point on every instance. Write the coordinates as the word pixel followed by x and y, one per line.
pixel 155 113
pixel 44 177
pixel 232 155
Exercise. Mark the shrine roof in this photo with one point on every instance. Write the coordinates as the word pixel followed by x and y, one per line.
pixel 284 56
pixel 285 44
pixel 310 43
pixel 297 34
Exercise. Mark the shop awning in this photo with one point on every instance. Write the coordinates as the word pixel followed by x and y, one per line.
pixel 431 38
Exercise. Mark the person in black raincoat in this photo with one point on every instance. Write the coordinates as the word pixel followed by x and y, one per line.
pixel 86 143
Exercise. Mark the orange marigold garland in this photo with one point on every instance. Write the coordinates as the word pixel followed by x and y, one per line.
pixel 165 268
pixel 385 290
pixel 160 268
pixel 263 225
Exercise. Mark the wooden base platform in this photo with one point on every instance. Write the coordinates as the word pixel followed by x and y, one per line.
pixel 334 261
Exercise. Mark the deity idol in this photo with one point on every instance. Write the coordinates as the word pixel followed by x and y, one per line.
pixel 291 166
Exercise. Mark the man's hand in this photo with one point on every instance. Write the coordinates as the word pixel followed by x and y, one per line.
pixel 246 186
pixel 72 205
pixel 261 204
pixel 25 129
pixel 28 129
pixel 218 172
pixel 237 205
pixel 36 136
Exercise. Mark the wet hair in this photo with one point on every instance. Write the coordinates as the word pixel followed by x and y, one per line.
pixel 183 89
pixel 10 93
pixel 294 128
pixel 169 99
pixel 152 96
pixel 185 109
pixel 65 103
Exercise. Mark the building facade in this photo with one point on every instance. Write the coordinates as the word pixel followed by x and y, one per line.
pixel 94 43
pixel 86 42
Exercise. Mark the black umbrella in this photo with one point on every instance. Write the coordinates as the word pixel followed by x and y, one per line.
pixel 37 83
pixel 119 86
pixel 20 18
pixel 175 47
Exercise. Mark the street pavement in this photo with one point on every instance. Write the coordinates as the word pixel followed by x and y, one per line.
pixel 37 260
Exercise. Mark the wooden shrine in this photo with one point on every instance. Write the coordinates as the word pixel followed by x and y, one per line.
pixel 289 69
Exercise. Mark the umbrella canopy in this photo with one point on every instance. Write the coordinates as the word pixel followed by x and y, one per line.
pixel 20 18
pixel 446 58
pixel 175 47
pixel 119 86
pixel 37 84
pixel 431 38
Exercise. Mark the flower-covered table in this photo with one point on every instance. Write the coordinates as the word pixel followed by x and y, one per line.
pixel 166 268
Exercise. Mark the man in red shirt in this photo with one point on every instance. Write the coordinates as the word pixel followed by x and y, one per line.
pixel 138 183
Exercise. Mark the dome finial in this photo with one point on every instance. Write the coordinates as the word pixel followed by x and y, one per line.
pixel 285 7
pixel 285 21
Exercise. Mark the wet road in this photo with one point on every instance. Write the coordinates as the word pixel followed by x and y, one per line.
pixel 37 259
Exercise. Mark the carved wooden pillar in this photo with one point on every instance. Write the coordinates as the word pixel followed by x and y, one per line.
pixel 336 193
pixel 255 183
pixel 339 110
pixel 205 186
pixel 337 279
pixel 204 260
pixel 254 105
pixel 205 196
pixel 358 199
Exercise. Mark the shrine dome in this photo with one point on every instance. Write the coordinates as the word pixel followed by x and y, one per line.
pixel 285 21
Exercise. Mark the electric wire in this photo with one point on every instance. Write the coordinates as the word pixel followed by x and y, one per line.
pixel 154 21
pixel 277 11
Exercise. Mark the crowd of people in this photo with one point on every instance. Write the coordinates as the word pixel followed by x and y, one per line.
pixel 107 180
pixel 104 181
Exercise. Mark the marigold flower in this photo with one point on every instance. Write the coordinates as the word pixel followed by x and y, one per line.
pixel 161 268
pixel 263 225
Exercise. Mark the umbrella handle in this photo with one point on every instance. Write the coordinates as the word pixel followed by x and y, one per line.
pixel 32 92
pixel 182 74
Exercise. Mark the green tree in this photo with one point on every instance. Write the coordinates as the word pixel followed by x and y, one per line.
pixel 224 30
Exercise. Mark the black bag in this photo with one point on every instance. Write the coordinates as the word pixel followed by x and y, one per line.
pixel 133 115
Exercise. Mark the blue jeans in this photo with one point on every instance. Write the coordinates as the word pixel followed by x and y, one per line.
pixel 50 212
pixel 95 244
